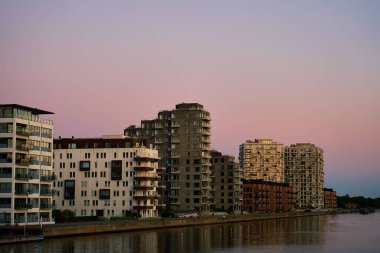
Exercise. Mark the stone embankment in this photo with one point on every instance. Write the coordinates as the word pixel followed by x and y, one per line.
pixel 89 228
pixel 75 229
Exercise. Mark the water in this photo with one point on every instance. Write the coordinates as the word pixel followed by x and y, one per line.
pixel 333 233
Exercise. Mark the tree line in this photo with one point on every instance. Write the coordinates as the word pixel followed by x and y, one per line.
pixel 360 202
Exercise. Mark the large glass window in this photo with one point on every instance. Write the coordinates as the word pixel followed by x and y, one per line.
pixel 6 127
pixel 46 132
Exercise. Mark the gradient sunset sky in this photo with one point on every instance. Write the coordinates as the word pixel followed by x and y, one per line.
pixel 293 71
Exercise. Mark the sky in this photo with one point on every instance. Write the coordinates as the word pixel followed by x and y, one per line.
pixel 292 71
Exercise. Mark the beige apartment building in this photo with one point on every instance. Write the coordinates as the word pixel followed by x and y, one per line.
pixel 26 177
pixel 226 183
pixel 107 177
pixel 262 159
pixel 182 138
pixel 304 170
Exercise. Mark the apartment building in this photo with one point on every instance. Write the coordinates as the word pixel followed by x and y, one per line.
pixel 262 159
pixel 330 199
pixel 107 177
pixel 182 138
pixel 264 196
pixel 304 170
pixel 226 183
pixel 26 177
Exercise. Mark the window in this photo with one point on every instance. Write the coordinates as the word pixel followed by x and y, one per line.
pixel 84 165
pixel 104 194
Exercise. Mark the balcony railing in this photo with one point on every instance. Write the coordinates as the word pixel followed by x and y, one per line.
pixel 5 175
pixel 34 162
pixel 23 206
pixel 22 147
pixel 46 135
pixel 5 205
pixel 46 206
pixel 23 132
pixel 46 192
pixel 22 161
pixel 48 178
pixel 5 160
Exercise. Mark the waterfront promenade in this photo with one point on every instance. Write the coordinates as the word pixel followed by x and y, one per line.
pixel 99 227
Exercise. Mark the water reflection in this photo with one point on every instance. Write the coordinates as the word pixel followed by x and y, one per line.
pixel 322 233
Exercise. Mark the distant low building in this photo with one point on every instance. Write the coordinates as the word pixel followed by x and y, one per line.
pixel 350 206
pixel 264 196
pixel 107 177
pixel 330 198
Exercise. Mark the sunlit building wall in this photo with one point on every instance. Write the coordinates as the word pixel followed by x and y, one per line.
pixel 107 177
pixel 26 142
pixel 262 159
pixel 304 170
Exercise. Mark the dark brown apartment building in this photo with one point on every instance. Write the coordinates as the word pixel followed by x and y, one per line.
pixel 330 198
pixel 264 196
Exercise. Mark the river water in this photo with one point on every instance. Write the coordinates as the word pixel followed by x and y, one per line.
pixel 330 233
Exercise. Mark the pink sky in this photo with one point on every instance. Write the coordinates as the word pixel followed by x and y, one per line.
pixel 292 71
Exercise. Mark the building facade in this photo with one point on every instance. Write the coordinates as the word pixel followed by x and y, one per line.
pixel 263 196
pixel 106 177
pixel 26 142
pixel 262 159
pixel 226 183
pixel 182 138
pixel 304 170
pixel 330 199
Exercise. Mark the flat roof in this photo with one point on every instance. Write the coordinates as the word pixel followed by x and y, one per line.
pixel 32 110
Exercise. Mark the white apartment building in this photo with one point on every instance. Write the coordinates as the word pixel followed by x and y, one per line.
pixel 25 166
pixel 262 159
pixel 106 177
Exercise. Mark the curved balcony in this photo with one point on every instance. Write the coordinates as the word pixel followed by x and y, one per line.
pixel 146 178
pixel 143 197
pixel 161 170
pixel 143 168
pixel 146 158
pixel 143 207
pixel 143 187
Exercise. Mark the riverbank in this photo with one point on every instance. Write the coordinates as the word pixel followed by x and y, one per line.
pixel 90 228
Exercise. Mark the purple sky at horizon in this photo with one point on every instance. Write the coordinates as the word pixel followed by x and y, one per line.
pixel 293 71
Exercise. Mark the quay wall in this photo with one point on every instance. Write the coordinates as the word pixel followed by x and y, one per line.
pixel 75 229
pixel 98 227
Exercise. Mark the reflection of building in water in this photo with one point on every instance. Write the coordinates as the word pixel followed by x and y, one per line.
pixel 184 240
pixel 291 231
pixel 226 235
pixel 272 234
pixel 265 196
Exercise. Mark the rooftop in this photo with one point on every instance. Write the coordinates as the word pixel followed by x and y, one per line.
pixel 35 111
